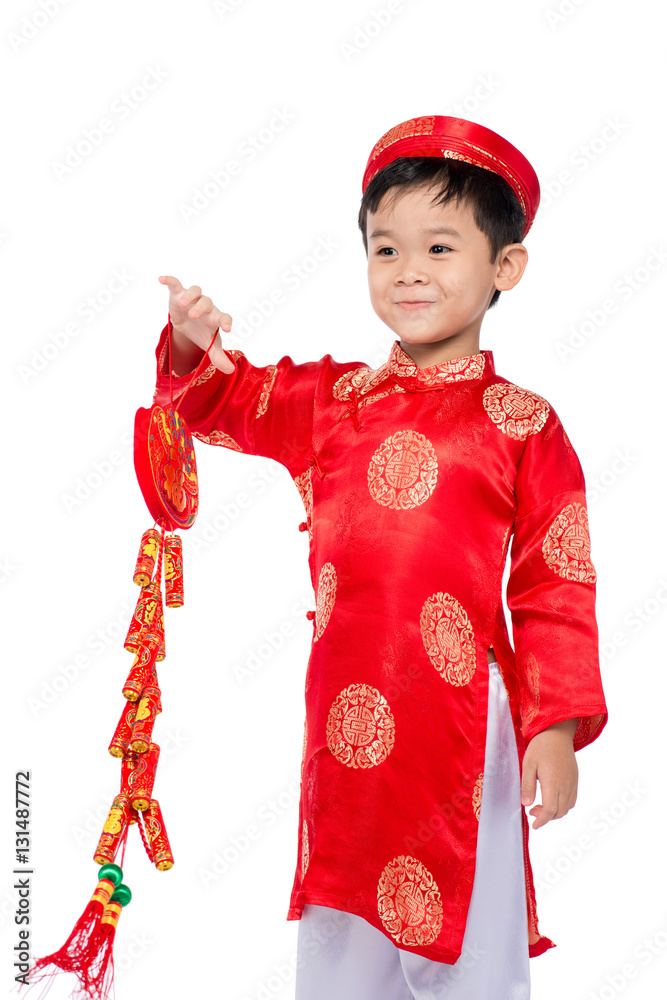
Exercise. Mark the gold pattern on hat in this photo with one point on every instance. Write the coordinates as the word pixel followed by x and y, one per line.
pixel 567 545
pixel 448 638
pixel 407 129
pixel 516 412
pixel 409 902
pixel 360 727
pixel 326 597
pixel 403 471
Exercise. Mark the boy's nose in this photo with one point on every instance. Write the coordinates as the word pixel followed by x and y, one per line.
pixel 410 273
pixel 411 276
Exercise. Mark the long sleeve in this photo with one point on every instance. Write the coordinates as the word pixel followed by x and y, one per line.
pixel 551 590
pixel 257 410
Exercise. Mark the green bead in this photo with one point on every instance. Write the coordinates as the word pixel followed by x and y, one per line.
pixel 112 872
pixel 122 895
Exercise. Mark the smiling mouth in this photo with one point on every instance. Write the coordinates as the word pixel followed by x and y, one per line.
pixel 414 305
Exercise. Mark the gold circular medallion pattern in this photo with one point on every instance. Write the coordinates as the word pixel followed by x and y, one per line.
pixel 409 902
pixel 360 727
pixel 567 545
pixel 448 638
pixel 326 597
pixel 516 412
pixel 403 471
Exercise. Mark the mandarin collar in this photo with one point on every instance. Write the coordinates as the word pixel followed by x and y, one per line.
pixel 475 366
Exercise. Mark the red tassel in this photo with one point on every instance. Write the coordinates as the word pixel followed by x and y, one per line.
pixel 97 977
pixel 78 951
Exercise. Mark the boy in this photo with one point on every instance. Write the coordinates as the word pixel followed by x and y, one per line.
pixel 425 731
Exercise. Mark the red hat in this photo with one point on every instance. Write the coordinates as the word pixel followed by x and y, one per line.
pixel 458 139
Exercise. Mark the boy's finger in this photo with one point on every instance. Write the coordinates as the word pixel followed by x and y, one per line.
pixel 199 308
pixel 188 298
pixel 549 806
pixel 173 283
pixel 213 316
pixel 219 358
pixel 222 319
pixel 528 785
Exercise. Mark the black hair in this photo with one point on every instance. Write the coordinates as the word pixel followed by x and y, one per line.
pixel 496 209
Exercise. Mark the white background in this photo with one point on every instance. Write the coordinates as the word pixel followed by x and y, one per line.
pixel 551 83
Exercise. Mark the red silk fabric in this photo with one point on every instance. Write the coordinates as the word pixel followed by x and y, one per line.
pixel 458 139
pixel 416 484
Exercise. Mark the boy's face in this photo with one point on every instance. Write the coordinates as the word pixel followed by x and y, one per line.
pixel 432 254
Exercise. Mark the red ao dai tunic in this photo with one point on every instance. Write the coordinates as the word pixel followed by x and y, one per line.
pixel 416 483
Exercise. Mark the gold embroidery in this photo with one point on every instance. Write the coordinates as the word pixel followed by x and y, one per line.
pixel 360 727
pixel 517 412
pixel 567 545
pixel 403 471
pixel 204 376
pixel 362 381
pixel 161 359
pixel 409 902
pixel 505 541
pixel 455 370
pixel 267 386
pixel 218 438
pixel 405 130
pixel 504 171
pixel 304 484
pixel 477 795
pixel 568 443
pixel 303 751
pixel 305 850
pixel 424 126
pixel 381 395
pixel 529 687
pixel 326 597
pixel 448 638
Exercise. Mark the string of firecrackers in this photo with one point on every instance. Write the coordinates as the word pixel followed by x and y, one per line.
pixel 166 469
pixel 88 951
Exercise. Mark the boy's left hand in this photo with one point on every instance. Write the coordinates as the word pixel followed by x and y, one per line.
pixel 550 758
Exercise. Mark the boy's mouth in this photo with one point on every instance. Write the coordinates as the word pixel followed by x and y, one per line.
pixel 416 304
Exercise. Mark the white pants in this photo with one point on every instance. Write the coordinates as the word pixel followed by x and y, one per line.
pixel 340 956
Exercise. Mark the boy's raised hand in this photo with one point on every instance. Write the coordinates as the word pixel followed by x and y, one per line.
pixel 194 319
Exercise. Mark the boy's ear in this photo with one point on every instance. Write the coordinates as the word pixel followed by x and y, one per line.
pixel 512 261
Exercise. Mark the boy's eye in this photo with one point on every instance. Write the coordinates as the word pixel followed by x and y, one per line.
pixel 386 251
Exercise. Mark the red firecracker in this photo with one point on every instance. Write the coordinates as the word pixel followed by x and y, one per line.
pixel 166 469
